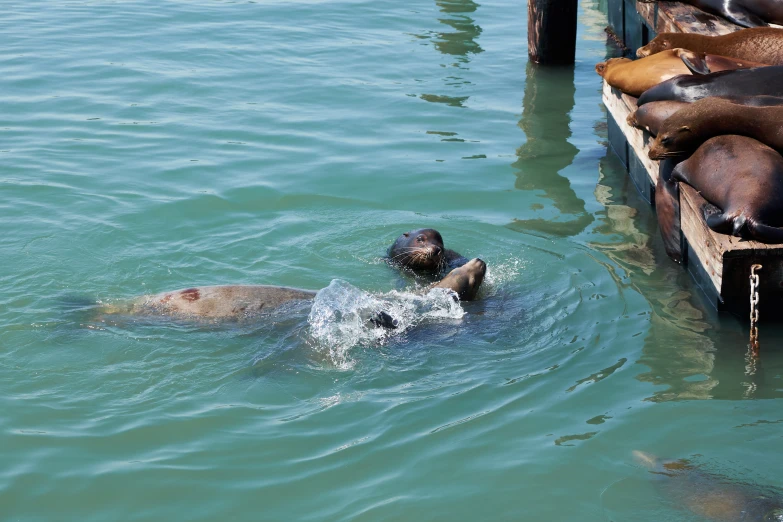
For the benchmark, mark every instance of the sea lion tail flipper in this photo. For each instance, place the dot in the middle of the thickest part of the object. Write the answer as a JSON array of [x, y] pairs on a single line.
[[764, 233], [695, 62], [718, 221], [385, 320]]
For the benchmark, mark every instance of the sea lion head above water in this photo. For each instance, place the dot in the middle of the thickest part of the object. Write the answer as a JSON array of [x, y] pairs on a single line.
[[465, 280], [420, 249]]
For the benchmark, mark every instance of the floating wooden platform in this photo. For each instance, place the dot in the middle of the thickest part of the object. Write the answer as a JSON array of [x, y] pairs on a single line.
[[720, 264]]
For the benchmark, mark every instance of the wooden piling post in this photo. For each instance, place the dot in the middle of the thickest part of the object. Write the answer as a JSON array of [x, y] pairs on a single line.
[[551, 31]]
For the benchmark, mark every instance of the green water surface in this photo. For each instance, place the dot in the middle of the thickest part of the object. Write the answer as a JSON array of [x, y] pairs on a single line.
[[148, 146]]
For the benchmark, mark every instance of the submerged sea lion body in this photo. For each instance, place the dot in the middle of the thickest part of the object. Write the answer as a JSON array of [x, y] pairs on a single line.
[[687, 129], [636, 76], [763, 44], [423, 250], [215, 302], [761, 81], [740, 176], [241, 302], [712, 496]]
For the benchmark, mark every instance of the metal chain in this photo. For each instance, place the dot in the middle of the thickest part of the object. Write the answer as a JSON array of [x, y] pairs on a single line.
[[754, 311]]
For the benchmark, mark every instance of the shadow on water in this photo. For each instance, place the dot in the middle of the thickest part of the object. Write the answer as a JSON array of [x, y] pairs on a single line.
[[546, 107], [690, 349]]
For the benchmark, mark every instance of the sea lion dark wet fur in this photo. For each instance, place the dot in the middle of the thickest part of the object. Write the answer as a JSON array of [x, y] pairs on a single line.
[[763, 44], [465, 280], [636, 76], [651, 116], [744, 13], [741, 178], [688, 128], [712, 496], [761, 81], [422, 250]]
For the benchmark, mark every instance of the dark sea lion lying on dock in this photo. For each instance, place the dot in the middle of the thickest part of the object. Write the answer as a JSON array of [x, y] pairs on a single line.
[[688, 128], [763, 44], [712, 496], [422, 250], [745, 13], [651, 115], [740, 176], [761, 81], [636, 76]]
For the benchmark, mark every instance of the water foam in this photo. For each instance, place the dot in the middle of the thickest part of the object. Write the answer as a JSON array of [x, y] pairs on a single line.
[[340, 317]]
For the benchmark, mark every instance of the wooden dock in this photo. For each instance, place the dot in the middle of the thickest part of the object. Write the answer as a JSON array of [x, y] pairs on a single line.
[[720, 264]]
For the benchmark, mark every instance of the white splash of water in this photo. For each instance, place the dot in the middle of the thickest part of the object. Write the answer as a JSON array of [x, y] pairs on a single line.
[[341, 316]]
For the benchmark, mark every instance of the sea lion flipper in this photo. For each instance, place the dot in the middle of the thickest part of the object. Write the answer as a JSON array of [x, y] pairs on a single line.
[[695, 62], [743, 18], [764, 233], [719, 222]]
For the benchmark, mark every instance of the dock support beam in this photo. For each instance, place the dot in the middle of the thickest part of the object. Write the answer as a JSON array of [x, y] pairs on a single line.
[[551, 31]]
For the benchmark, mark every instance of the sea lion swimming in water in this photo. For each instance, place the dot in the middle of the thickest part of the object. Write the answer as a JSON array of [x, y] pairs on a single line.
[[636, 76], [247, 302], [683, 132], [740, 176], [760, 81], [710, 495], [422, 250], [763, 44]]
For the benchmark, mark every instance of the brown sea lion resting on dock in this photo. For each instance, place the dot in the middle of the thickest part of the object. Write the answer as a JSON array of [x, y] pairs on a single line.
[[712, 496], [688, 128], [636, 76], [651, 116], [761, 81], [740, 176], [763, 44], [242, 302], [422, 250]]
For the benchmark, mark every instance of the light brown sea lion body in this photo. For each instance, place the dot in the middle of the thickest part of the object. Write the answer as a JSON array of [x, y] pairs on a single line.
[[741, 179], [685, 130], [214, 302], [636, 76], [763, 44], [465, 280]]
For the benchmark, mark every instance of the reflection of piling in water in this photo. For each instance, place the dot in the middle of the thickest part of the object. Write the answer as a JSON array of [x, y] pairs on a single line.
[[546, 120], [463, 40], [459, 43]]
